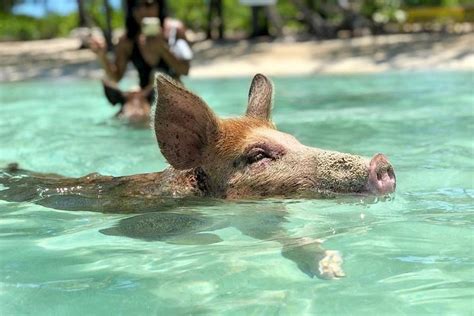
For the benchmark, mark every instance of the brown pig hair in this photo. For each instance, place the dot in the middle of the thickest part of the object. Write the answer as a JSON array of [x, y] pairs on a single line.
[[234, 132], [223, 138]]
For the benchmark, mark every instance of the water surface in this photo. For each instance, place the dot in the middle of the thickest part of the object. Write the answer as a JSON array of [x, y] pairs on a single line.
[[410, 255]]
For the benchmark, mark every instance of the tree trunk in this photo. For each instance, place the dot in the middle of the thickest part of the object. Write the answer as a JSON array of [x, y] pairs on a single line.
[[84, 21], [259, 23], [220, 14], [215, 7], [108, 25]]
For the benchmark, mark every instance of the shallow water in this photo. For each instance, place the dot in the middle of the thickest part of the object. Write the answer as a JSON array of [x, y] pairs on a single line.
[[412, 254]]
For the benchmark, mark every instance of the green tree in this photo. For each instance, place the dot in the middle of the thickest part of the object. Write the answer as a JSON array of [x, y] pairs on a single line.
[[6, 6]]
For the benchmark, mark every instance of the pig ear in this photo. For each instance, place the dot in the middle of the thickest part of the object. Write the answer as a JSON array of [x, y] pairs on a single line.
[[260, 98], [184, 125]]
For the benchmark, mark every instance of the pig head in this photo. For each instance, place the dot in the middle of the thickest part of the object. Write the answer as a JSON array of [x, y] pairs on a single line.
[[248, 157], [135, 106]]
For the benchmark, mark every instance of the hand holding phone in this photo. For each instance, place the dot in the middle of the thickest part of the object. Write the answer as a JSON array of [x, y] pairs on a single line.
[[151, 26]]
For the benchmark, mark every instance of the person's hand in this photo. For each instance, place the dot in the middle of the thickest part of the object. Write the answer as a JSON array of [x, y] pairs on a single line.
[[98, 46], [152, 46], [157, 40], [174, 27]]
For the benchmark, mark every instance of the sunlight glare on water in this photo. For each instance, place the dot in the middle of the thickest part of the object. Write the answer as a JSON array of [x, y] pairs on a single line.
[[411, 254]]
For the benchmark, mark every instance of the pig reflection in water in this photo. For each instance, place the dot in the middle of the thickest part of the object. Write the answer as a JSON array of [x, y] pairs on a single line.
[[241, 158]]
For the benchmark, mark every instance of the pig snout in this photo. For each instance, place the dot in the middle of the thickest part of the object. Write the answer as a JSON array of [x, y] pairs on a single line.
[[381, 175], [136, 109]]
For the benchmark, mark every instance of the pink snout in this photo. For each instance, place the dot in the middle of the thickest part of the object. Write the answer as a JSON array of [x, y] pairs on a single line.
[[381, 176], [136, 108]]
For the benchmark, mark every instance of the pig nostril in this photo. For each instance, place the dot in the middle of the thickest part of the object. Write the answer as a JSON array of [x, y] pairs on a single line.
[[391, 173], [380, 175]]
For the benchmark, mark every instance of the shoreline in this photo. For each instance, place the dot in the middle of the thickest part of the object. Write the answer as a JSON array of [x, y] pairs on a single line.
[[61, 57]]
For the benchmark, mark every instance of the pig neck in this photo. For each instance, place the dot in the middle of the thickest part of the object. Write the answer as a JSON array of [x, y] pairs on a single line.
[[168, 183]]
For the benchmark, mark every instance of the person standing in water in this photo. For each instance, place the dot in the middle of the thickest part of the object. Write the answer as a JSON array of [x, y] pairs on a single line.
[[152, 42]]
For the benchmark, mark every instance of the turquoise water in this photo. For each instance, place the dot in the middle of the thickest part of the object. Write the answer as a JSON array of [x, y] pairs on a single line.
[[410, 255]]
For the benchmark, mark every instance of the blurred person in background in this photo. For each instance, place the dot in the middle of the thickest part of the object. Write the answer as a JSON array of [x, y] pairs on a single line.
[[152, 42]]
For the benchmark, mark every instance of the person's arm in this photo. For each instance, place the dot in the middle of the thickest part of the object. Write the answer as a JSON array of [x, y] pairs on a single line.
[[180, 66], [116, 69]]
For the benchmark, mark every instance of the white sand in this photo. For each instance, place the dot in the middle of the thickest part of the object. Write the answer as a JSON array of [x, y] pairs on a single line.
[[360, 55], [60, 57]]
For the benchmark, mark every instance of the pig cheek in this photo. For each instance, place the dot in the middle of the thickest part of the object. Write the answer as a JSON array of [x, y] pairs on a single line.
[[245, 182], [237, 188], [250, 171]]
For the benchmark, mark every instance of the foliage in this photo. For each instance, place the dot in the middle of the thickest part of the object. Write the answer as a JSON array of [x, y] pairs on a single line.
[[19, 27], [437, 14], [437, 3], [194, 14], [7, 5], [95, 10], [237, 17], [383, 11]]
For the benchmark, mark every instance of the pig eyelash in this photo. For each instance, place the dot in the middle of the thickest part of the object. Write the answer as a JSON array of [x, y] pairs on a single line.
[[257, 154]]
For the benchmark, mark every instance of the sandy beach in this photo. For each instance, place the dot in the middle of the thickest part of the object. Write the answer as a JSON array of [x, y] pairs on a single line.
[[61, 57]]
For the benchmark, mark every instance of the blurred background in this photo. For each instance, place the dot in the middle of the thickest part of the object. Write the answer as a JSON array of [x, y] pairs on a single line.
[[244, 31], [236, 19]]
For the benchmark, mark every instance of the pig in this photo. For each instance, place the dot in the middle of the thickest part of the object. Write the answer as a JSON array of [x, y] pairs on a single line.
[[248, 157], [135, 105], [210, 157]]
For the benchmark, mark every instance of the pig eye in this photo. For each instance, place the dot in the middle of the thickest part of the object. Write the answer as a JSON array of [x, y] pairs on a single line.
[[256, 154]]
